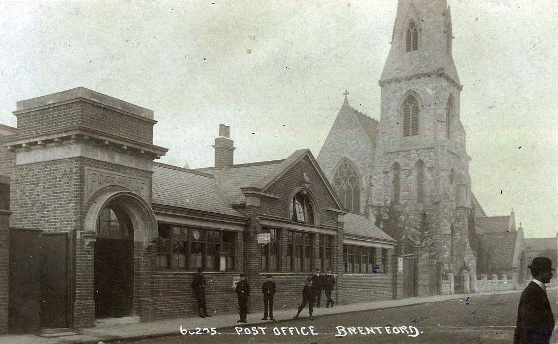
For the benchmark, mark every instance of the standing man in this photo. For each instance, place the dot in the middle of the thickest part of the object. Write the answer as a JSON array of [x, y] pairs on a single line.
[[198, 284], [317, 282], [308, 296], [329, 284], [268, 290], [535, 320], [243, 293]]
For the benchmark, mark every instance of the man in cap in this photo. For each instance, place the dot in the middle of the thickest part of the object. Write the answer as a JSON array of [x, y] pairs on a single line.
[[198, 284], [268, 290], [535, 320], [243, 293], [308, 296]]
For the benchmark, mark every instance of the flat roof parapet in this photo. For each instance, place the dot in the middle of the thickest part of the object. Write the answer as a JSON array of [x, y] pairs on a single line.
[[84, 93]]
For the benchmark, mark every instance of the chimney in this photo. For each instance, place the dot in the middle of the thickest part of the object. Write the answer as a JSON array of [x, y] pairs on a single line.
[[224, 147]]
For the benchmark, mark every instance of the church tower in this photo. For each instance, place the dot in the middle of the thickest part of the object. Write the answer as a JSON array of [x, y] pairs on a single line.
[[422, 167]]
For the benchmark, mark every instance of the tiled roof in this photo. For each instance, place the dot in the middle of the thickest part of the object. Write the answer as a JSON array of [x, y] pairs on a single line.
[[232, 178], [500, 248], [479, 212], [178, 187], [492, 224], [541, 244], [360, 226]]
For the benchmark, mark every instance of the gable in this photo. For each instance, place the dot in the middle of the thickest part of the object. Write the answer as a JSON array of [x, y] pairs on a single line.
[[353, 136], [304, 173]]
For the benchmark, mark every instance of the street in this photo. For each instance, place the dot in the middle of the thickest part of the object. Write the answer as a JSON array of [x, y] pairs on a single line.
[[481, 319]]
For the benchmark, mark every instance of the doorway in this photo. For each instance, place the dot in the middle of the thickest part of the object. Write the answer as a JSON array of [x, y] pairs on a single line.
[[113, 263]]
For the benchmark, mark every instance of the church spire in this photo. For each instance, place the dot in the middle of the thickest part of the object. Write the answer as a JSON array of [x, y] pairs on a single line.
[[421, 42]]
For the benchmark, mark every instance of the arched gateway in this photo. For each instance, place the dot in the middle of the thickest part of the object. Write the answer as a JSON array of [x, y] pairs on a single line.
[[124, 225]]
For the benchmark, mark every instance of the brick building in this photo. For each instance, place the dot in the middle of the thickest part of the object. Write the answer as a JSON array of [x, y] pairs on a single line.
[[93, 229]]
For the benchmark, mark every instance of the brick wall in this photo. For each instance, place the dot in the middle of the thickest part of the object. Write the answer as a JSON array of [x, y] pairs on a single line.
[[365, 288], [285, 187], [4, 270], [47, 195]]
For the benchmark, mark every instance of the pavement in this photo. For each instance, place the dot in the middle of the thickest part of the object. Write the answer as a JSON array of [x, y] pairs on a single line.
[[137, 330]]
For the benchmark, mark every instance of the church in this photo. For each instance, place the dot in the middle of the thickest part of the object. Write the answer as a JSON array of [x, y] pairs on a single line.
[[409, 171]]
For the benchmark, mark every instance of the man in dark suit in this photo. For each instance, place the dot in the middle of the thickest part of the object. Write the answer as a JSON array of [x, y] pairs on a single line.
[[317, 283], [268, 290], [308, 296], [198, 284], [243, 293], [329, 284], [535, 320]]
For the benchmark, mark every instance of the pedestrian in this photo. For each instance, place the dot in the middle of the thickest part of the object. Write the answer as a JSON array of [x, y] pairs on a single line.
[[198, 284], [268, 290], [329, 284], [317, 282], [535, 320], [308, 296], [243, 293]]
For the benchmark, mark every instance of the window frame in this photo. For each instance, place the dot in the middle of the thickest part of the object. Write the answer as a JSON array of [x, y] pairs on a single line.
[[205, 251]]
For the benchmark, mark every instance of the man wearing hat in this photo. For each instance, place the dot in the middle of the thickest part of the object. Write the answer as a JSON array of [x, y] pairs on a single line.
[[243, 293], [198, 284], [317, 280], [535, 320], [308, 296], [268, 290]]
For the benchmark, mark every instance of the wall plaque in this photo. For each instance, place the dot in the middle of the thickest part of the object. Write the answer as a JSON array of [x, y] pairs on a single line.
[[98, 179]]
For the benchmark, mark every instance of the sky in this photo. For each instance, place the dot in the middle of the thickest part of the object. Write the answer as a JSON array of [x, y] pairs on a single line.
[[275, 71]]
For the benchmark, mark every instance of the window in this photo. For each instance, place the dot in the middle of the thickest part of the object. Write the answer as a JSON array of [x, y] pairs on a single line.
[[347, 185], [359, 259], [410, 116], [299, 251], [181, 248], [301, 208], [396, 187], [449, 116], [325, 252], [270, 252], [411, 37], [420, 181]]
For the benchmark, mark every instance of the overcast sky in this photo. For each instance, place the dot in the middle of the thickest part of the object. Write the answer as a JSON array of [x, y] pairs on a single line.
[[275, 72]]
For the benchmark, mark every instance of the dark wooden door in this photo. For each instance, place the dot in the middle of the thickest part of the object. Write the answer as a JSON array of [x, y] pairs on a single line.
[[24, 289], [54, 277], [113, 277], [409, 276]]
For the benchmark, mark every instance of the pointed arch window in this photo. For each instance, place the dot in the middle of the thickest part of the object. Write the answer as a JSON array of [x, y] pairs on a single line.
[[449, 116], [396, 183], [412, 37], [410, 116], [302, 209], [420, 181], [347, 185]]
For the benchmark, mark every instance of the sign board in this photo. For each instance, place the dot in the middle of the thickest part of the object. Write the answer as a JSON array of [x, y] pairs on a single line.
[[400, 264], [264, 238]]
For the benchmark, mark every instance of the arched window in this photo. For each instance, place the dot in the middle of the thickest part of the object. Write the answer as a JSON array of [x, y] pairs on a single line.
[[396, 181], [449, 116], [420, 181], [302, 209], [412, 37], [410, 116], [347, 185]]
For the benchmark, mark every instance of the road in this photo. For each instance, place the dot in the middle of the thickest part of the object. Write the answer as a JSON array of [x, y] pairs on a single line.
[[480, 319]]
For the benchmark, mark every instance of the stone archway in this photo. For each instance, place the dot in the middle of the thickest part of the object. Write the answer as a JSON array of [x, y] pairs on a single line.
[[121, 225]]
